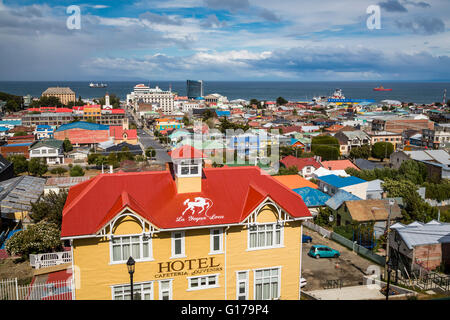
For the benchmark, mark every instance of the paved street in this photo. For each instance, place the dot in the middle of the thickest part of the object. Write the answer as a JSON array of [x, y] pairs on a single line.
[[149, 141]]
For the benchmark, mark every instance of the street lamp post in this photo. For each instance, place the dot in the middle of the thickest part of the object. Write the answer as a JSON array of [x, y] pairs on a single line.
[[130, 266], [388, 260]]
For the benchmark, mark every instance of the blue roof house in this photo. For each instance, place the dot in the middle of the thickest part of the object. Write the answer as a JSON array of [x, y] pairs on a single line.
[[330, 184], [313, 198]]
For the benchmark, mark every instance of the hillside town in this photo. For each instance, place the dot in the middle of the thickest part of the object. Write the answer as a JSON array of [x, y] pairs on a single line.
[[159, 196]]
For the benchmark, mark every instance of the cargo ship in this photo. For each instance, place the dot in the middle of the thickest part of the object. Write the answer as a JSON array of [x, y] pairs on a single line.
[[98, 85], [380, 88]]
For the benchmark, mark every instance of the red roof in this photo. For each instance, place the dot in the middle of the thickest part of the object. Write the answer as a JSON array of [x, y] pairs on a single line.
[[229, 194], [117, 132], [300, 163], [339, 165], [64, 110], [117, 111], [186, 152]]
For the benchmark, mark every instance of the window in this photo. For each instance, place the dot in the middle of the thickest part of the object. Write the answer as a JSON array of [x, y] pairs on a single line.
[[216, 242], [265, 236], [178, 244], [267, 284], [205, 282], [139, 247], [189, 168], [142, 291], [165, 290], [242, 285]]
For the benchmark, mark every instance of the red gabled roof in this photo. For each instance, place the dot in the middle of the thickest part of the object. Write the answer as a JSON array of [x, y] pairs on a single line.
[[231, 193], [187, 152], [339, 165], [300, 163], [118, 131]]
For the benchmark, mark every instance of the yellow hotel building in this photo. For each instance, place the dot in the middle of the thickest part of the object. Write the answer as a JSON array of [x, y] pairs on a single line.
[[195, 234]]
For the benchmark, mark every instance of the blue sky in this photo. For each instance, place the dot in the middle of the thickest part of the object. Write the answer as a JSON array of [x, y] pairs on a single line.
[[225, 40]]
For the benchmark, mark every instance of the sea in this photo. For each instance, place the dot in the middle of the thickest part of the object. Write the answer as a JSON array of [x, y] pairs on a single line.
[[416, 92]]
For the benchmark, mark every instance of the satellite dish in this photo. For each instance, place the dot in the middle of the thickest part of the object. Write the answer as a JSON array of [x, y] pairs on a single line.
[[331, 218]]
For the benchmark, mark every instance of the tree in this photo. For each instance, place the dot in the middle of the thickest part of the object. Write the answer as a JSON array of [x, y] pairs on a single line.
[[186, 121], [150, 152], [327, 152], [42, 237], [254, 102], [67, 145], [295, 112], [76, 171], [11, 106], [101, 161], [382, 150], [37, 167], [20, 134], [113, 100], [324, 140], [290, 151], [59, 171], [281, 101], [49, 101], [282, 171], [208, 114], [362, 152], [49, 208], [20, 163]]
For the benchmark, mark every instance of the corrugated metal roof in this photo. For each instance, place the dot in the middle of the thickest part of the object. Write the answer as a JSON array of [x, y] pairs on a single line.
[[339, 198], [312, 197], [82, 125], [340, 182], [417, 233]]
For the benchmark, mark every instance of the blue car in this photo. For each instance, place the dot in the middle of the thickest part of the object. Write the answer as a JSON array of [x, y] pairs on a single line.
[[306, 239], [322, 251]]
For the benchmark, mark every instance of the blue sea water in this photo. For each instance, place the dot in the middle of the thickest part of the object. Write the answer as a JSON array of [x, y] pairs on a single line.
[[417, 92]]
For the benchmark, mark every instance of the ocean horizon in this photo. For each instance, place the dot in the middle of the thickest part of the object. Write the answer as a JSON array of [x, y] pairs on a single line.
[[420, 92]]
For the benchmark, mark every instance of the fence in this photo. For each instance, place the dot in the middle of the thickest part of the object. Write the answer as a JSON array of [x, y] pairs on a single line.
[[57, 290], [319, 229], [50, 259], [347, 243]]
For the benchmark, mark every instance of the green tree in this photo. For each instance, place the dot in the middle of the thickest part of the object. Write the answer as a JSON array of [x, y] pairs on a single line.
[[12, 106], [327, 152], [76, 171], [50, 101], [281, 101], [282, 171], [20, 163], [208, 114], [150, 152], [67, 145], [290, 151], [59, 171], [324, 140], [101, 161], [42, 237], [37, 167], [186, 121], [382, 150], [362, 152], [49, 208], [20, 134]]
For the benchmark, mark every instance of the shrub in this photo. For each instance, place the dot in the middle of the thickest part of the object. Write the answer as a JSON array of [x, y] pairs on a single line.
[[76, 171], [39, 238]]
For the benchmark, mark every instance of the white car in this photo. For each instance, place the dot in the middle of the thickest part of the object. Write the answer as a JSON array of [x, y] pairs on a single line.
[[302, 282]]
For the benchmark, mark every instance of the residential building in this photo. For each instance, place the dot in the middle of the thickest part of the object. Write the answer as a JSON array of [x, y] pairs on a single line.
[[194, 88], [351, 139], [134, 149], [436, 161], [384, 136], [195, 233], [6, 169], [65, 95], [295, 181], [364, 164], [438, 137], [313, 198], [420, 244], [49, 119], [51, 150], [305, 166], [15, 149], [43, 132], [338, 165], [120, 134], [331, 184], [58, 184], [399, 125]]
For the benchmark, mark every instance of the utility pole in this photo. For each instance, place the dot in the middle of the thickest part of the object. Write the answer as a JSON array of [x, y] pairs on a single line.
[[388, 262]]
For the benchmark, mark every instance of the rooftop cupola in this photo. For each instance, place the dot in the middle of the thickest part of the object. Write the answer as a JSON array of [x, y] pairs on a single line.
[[187, 167]]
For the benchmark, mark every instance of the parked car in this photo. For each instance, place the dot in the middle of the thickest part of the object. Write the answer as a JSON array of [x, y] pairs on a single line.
[[306, 239], [302, 282], [322, 251]]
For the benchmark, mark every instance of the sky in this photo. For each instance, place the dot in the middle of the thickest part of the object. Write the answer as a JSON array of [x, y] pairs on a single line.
[[225, 40]]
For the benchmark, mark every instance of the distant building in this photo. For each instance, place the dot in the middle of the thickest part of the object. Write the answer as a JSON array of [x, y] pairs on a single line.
[[50, 150], [65, 95], [155, 96], [83, 133], [194, 88], [43, 132]]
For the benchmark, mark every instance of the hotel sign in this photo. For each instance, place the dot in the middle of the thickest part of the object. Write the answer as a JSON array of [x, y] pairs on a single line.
[[188, 267]]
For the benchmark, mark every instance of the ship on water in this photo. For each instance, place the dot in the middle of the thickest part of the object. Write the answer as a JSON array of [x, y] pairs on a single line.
[[380, 88], [336, 95], [98, 85]]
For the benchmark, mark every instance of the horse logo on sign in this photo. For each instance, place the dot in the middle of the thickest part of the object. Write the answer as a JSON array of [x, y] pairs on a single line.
[[198, 206]]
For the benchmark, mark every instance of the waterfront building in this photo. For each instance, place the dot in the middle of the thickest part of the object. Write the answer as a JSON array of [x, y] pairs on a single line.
[[194, 88], [65, 95], [195, 233], [155, 96]]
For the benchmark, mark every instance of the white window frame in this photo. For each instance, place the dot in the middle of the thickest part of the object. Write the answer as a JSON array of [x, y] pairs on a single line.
[[160, 291], [141, 248], [190, 164], [183, 252], [206, 286], [136, 285], [273, 246], [279, 281], [211, 242], [246, 283]]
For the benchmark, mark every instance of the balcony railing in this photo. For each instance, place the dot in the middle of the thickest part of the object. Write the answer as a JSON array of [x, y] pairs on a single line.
[[43, 260]]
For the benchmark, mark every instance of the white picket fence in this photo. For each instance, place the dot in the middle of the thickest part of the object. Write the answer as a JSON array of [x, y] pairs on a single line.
[[57, 290], [324, 232], [43, 260]]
